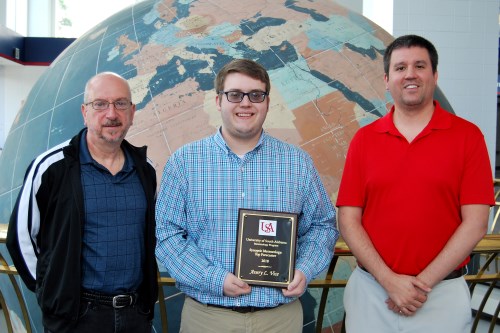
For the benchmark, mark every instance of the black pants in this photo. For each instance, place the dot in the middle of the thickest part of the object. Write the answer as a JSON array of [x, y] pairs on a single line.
[[98, 318]]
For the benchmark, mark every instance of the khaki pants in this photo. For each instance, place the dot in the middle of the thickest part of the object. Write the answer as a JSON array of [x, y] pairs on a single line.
[[447, 309], [200, 318]]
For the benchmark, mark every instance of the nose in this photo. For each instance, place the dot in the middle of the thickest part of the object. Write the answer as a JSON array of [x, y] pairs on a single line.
[[246, 100], [111, 112], [410, 72]]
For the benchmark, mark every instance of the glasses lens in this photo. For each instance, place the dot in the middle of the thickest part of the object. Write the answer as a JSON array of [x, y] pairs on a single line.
[[122, 104], [257, 96], [234, 96], [100, 105]]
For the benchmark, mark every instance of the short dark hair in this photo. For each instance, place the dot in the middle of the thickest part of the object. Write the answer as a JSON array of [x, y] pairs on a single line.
[[407, 41], [243, 66]]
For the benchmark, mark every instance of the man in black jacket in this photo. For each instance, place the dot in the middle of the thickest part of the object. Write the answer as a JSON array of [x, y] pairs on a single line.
[[81, 234]]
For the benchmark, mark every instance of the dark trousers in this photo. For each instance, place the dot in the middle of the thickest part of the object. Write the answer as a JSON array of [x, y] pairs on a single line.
[[98, 318]]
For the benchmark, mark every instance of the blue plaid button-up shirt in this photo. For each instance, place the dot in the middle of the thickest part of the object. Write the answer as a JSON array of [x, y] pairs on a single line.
[[204, 184]]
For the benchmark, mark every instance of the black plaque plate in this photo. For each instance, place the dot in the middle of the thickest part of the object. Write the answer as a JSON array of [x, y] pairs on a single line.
[[265, 248]]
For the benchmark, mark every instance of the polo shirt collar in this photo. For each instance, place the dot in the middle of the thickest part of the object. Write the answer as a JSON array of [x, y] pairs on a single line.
[[441, 119]]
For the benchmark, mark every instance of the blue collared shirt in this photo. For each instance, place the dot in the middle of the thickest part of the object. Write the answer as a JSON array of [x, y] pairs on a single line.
[[204, 184], [113, 237]]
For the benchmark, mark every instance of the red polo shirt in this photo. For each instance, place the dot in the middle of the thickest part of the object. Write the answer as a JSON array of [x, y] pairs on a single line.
[[411, 193]]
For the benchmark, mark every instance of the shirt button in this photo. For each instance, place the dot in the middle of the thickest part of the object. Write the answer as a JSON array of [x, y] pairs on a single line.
[[243, 194]]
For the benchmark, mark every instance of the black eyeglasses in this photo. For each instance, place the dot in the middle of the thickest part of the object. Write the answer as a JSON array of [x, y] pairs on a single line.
[[237, 96], [99, 104]]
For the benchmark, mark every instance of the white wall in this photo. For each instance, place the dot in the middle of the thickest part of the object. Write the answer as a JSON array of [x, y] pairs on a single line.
[[3, 12], [380, 12], [16, 82], [40, 18], [28, 18], [15, 15]]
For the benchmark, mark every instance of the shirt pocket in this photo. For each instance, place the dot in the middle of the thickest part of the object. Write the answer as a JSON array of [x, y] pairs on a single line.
[[275, 196]]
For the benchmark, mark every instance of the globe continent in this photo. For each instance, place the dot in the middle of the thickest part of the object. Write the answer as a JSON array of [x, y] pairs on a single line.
[[324, 61]]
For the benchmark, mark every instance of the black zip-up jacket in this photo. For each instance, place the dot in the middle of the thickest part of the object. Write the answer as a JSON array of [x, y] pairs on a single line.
[[45, 232]]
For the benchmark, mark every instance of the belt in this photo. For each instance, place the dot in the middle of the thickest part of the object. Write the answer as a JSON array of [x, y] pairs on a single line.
[[239, 309], [456, 273], [453, 275], [117, 302]]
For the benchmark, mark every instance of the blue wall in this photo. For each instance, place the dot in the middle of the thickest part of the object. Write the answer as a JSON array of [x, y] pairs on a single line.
[[32, 50]]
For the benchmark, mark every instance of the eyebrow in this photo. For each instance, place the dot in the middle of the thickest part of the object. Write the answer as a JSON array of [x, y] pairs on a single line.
[[239, 90], [405, 63]]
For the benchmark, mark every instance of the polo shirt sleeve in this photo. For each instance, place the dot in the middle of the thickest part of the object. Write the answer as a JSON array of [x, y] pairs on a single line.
[[477, 183]]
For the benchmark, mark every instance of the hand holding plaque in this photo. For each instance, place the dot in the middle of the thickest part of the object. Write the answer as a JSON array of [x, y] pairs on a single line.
[[265, 247]]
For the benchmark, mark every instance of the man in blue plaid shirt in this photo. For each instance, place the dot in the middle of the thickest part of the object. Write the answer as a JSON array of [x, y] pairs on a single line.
[[206, 182]]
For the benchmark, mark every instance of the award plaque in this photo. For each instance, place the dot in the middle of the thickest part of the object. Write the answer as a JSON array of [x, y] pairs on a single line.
[[265, 247]]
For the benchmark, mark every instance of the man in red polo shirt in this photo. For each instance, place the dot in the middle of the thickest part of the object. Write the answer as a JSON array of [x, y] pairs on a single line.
[[413, 203]]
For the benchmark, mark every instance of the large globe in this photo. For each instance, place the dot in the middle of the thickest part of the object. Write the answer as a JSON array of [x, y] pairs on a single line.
[[325, 64]]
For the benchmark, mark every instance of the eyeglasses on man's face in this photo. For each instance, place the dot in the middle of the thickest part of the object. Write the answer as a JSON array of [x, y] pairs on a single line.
[[100, 104], [237, 96]]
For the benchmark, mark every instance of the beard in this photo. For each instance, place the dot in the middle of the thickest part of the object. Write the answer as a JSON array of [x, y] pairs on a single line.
[[110, 132], [113, 138]]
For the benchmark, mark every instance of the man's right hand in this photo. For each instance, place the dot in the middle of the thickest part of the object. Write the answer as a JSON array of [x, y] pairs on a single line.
[[406, 293], [235, 287]]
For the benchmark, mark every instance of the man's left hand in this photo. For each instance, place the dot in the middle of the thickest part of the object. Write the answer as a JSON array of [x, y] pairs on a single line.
[[298, 285]]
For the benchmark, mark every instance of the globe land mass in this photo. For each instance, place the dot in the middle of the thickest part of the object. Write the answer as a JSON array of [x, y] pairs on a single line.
[[320, 91]]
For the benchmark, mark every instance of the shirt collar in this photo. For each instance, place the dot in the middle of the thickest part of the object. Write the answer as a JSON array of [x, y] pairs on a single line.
[[219, 140], [441, 119], [86, 158]]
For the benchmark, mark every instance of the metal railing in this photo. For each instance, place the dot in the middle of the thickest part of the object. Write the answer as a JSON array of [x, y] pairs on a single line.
[[488, 247]]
